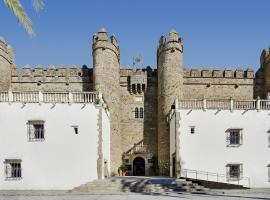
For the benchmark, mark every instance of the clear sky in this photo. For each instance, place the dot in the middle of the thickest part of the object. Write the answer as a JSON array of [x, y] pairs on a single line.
[[229, 33]]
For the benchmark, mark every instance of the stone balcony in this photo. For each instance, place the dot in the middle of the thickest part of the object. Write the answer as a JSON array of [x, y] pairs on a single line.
[[223, 104], [50, 97]]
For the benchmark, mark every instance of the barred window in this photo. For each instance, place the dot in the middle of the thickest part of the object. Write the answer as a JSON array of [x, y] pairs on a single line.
[[141, 112], [234, 137], [13, 169], [234, 172], [136, 113], [36, 130]]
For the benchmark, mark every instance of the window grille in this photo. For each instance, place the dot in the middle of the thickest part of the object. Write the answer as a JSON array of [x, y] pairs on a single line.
[[234, 137], [234, 172], [36, 130], [13, 170], [136, 113], [141, 112]]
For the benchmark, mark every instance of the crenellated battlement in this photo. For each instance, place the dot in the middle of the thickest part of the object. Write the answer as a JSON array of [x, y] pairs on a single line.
[[239, 73], [38, 74], [173, 43], [101, 41]]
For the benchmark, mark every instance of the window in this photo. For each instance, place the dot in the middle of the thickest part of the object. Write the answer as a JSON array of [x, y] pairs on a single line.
[[234, 172], [234, 137], [136, 113], [36, 130], [76, 129], [141, 112], [192, 129], [13, 170]]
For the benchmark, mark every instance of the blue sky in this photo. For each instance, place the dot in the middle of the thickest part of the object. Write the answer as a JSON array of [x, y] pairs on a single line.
[[216, 33]]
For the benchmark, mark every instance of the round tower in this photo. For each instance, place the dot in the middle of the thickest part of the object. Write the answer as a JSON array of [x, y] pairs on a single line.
[[265, 66], [106, 76], [6, 62], [170, 82]]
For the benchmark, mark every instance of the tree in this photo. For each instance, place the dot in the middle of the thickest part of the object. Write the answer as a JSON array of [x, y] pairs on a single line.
[[16, 7]]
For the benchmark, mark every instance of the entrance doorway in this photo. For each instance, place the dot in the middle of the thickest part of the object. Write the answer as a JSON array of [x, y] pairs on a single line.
[[138, 167]]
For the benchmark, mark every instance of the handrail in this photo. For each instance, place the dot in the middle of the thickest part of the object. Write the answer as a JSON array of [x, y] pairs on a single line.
[[215, 177], [224, 104], [49, 97]]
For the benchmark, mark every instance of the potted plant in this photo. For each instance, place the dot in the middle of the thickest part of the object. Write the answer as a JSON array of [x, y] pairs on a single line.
[[123, 169]]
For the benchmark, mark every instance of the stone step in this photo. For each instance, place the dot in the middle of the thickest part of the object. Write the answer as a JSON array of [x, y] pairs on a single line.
[[146, 185]]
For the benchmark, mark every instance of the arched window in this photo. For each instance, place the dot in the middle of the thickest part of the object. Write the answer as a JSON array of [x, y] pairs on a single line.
[[141, 112], [136, 113]]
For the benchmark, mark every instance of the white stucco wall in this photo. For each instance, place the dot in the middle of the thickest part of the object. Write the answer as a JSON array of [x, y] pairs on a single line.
[[206, 149], [106, 141], [63, 160]]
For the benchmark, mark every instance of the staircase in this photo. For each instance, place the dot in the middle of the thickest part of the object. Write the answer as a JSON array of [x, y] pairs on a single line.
[[138, 185]]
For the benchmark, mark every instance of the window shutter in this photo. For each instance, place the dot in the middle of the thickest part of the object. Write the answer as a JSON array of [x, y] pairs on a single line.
[[241, 171], [228, 172], [228, 138], [241, 137]]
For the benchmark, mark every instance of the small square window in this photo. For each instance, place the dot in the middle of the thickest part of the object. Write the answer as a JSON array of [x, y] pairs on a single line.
[[234, 137], [234, 172], [76, 130], [13, 170], [192, 129], [36, 130]]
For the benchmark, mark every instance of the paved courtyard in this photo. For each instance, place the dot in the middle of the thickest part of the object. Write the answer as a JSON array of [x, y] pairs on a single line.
[[250, 194]]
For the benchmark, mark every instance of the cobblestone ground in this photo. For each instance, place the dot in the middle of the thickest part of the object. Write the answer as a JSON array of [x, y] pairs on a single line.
[[230, 195]]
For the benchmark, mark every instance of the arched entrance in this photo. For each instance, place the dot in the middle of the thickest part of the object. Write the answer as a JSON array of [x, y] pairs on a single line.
[[138, 167]]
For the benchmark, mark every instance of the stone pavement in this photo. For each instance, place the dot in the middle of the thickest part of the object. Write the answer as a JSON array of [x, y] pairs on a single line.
[[263, 194]]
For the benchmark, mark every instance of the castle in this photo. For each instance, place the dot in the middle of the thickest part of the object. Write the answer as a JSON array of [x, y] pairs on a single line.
[[139, 100]]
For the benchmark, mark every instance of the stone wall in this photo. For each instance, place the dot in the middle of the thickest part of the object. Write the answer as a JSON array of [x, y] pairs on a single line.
[[220, 84], [135, 130], [6, 63], [52, 79]]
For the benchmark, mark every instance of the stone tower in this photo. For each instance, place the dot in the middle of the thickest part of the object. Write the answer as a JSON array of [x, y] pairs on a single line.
[[265, 65], [106, 67], [170, 82], [6, 64]]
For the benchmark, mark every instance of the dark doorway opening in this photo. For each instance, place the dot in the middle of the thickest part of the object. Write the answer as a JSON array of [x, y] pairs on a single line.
[[138, 167], [173, 167]]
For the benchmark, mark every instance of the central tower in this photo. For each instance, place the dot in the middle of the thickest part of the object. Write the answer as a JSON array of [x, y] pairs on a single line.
[[170, 83]]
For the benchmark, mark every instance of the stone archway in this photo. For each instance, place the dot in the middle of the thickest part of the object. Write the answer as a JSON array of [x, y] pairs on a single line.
[[138, 166]]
